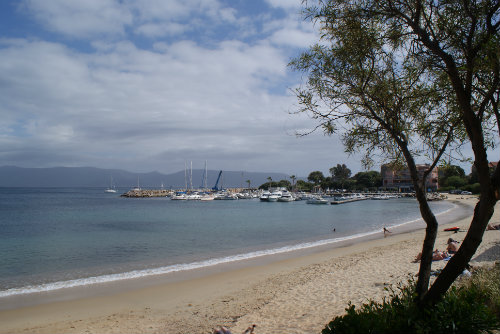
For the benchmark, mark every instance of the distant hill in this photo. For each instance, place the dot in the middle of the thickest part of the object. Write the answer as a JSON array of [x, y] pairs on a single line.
[[11, 176]]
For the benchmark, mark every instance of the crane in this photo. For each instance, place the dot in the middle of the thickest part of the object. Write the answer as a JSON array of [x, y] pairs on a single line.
[[217, 182]]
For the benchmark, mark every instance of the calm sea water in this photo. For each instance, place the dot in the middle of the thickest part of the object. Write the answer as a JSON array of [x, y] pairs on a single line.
[[58, 237]]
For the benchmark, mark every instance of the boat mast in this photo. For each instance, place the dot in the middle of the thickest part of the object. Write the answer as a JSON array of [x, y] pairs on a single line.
[[206, 176], [191, 177], [185, 175]]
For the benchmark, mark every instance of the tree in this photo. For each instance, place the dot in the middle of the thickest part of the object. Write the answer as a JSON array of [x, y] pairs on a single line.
[[293, 178], [410, 79], [316, 177], [304, 186], [455, 181], [248, 183], [371, 179], [451, 176], [340, 174]]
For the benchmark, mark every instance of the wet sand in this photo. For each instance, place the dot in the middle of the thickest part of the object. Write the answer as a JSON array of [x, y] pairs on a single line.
[[297, 292]]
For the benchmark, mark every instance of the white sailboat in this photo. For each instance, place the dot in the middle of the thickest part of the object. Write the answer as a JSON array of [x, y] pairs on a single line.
[[138, 188], [111, 188]]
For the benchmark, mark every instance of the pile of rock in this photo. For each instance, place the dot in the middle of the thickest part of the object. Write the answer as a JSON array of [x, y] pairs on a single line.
[[146, 193]]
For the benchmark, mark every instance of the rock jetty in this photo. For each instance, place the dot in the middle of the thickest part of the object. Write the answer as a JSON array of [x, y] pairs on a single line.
[[146, 193]]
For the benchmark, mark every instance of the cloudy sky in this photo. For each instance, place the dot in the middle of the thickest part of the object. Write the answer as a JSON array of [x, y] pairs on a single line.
[[149, 85]]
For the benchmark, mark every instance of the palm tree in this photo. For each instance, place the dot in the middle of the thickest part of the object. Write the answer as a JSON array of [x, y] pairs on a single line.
[[248, 182], [293, 177]]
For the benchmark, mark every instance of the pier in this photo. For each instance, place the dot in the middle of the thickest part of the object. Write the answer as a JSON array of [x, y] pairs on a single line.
[[349, 200]]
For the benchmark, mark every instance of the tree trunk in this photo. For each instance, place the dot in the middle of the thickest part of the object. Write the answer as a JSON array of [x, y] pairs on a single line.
[[482, 214], [431, 230]]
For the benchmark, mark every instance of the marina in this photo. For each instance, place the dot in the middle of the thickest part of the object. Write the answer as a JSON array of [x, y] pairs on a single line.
[[276, 195]]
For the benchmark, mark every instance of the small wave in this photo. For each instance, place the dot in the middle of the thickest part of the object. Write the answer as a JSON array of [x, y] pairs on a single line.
[[190, 266]]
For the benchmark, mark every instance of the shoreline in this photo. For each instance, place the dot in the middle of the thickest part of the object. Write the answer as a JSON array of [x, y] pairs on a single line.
[[262, 291]]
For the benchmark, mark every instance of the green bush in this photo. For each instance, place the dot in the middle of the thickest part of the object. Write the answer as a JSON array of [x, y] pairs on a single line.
[[472, 307]]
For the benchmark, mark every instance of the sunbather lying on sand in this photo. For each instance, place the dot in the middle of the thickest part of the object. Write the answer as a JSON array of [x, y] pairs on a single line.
[[437, 255], [225, 330], [493, 227]]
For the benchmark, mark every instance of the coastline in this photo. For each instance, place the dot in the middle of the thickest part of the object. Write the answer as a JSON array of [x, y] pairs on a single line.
[[296, 292]]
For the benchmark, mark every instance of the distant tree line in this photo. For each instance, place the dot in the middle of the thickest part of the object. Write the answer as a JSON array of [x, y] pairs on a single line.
[[451, 177], [339, 178]]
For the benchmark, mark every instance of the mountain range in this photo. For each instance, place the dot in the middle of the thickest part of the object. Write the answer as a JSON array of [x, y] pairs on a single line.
[[12, 176]]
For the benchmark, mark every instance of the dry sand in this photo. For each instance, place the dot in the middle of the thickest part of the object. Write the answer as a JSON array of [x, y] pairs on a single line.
[[295, 295]]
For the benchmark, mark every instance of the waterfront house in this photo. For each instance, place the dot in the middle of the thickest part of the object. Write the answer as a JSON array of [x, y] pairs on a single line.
[[400, 179]]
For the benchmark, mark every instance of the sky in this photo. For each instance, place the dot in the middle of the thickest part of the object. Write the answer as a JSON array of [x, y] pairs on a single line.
[[151, 85]]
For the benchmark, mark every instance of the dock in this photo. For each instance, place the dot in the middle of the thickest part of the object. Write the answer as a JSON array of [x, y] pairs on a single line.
[[349, 200]]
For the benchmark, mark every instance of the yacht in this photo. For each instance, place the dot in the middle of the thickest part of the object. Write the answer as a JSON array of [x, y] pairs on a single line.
[[274, 196], [265, 196], [381, 197], [207, 197], [179, 196], [286, 197], [194, 197], [317, 200]]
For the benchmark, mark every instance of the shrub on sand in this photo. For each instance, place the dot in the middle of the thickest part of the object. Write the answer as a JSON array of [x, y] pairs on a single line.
[[471, 306]]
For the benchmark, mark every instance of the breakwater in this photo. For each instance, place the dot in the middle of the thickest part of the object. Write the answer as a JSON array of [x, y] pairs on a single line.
[[147, 193]]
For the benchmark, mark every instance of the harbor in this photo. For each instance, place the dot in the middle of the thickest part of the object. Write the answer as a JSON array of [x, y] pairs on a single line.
[[273, 195]]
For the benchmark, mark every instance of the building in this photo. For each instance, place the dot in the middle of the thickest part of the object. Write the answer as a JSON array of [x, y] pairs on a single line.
[[400, 180]]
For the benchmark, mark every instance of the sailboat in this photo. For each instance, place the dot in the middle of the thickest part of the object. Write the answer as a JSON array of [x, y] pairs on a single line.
[[138, 188], [111, 188]]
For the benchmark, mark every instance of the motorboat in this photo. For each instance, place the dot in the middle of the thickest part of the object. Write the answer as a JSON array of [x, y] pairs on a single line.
[[194, 197], [179, 196], [265, 196], [381, 197], [207, 197], [286, 197], [224, 195], [274, 196], [317, 200]]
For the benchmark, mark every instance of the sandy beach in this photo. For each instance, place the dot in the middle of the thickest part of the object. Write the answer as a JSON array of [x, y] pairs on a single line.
[[298, 294]]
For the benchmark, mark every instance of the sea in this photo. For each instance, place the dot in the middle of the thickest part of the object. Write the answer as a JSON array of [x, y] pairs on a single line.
[[53, 238]]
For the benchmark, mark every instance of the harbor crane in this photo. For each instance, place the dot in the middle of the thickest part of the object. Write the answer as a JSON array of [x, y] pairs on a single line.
[[216, 188]]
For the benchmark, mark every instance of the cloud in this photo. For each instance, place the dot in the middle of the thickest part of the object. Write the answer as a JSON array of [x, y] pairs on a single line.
[[126, 99], [285, 4], [110, 19], [81, 19]]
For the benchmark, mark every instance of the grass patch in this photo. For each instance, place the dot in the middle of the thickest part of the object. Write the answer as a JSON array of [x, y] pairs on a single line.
[[472, 305]]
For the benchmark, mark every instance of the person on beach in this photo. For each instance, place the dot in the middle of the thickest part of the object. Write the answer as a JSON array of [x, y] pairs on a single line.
[[225, 330], [493, 227], [452, 247], [437, 255], [386, 231], [221, 330]]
